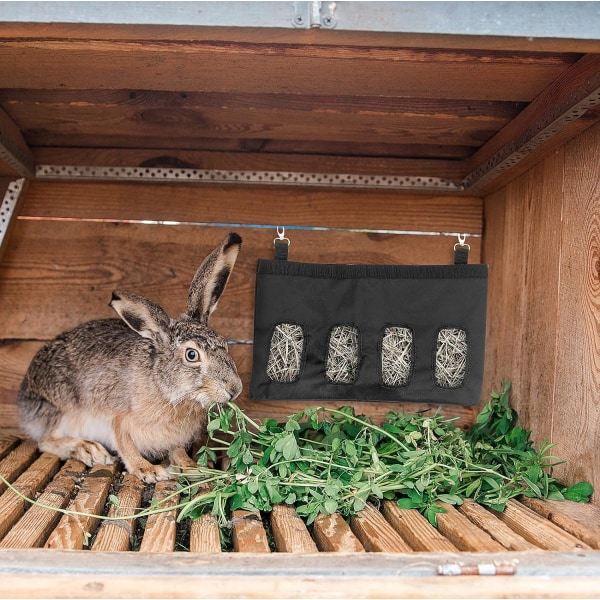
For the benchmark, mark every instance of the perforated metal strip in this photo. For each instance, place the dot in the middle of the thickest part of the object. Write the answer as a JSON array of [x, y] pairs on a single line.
[[573, 108], [8, 205], [147, 174]]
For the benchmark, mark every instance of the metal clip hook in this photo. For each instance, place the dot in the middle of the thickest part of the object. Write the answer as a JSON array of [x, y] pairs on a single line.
[[281, 236], [461, 241]]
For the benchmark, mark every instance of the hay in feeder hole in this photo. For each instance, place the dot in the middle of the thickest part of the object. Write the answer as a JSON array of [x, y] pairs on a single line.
[[451, 357], [396, 356], [285, 353], [342, 354]]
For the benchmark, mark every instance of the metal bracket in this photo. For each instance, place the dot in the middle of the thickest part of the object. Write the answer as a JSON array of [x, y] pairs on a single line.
[[8, 206], [313, 15], [156, 174]]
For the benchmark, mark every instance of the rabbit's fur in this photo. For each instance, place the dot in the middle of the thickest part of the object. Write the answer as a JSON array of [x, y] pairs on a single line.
[[139, 385]]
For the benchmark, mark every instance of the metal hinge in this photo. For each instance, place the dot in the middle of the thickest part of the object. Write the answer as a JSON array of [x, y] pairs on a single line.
[[314, 14]]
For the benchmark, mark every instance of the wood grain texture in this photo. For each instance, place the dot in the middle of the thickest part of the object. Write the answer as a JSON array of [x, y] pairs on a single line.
[[283, 155], [117, 535], [32, 530], [333, 534], [523, 250], [375, 533], [576, 423], [580, 520], [486, 521], [290, 532], [537, 529], [12, 505], [420, 534], [159, 532], [139, 119], [204, 535], [169, 65], [464, 534], [8, 443], [249, 535], [17, 461], [542, 247], [76, 527], [208, 203]]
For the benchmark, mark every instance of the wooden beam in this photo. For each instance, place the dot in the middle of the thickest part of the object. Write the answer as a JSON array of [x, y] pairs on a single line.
[[564, 109], [15, 156], [218, 66]]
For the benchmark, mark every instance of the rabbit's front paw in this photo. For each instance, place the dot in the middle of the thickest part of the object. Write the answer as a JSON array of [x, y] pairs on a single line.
[[92, 453], [151, 473]]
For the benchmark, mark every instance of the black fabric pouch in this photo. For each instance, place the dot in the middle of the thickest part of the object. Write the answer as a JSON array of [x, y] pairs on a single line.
[[369, 332]]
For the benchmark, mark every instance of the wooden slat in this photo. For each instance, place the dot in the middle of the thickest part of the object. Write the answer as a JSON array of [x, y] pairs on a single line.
[[576, 418], [523, 250], [16, 158], [117, 535], [464, 534], [170, 65], [535, 118], [204, 535], [290, 532], [73, 530], [321, 36], [225, 154], [416, 529], [498, 530], [580, 520], [8, 443], [160, 529], [249, 534], [537, 529], [208, 203], [17, 461], [333, 534], [32, 530], [56, 117], [375, 533], [13, 506]]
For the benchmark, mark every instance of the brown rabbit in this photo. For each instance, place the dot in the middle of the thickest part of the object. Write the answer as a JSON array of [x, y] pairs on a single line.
[[139, 386]]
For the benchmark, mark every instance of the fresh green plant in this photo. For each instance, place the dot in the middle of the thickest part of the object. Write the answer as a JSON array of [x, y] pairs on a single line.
[[331, 460]]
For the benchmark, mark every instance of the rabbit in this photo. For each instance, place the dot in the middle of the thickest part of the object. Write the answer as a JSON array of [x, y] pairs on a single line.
[[139, 386]]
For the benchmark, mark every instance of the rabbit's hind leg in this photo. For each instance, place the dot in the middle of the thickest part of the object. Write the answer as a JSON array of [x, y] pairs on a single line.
[[88, 452]]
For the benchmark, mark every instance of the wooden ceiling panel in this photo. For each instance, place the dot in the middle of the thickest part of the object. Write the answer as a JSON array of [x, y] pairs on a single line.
[[285, 101]]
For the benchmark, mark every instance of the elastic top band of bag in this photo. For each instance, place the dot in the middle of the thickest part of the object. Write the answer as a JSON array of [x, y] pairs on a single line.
[[331, 271]]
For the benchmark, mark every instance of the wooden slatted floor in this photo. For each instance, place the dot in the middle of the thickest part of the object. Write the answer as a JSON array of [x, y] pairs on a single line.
[[526, 525]]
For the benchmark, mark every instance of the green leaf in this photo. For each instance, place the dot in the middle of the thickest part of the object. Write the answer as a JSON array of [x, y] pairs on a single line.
[[580, 492]]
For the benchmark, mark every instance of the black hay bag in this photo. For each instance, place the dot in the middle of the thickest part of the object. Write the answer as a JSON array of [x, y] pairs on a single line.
[[369, 332]]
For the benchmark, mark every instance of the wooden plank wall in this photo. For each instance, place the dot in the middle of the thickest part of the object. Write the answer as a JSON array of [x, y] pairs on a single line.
[[75, 242], [542, 241]]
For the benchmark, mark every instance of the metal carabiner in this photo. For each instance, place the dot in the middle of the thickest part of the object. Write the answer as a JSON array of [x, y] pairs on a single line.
[[281, 236], [461, 241]]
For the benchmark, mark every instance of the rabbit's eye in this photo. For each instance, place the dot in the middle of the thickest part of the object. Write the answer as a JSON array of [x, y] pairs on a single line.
[[192, 355]]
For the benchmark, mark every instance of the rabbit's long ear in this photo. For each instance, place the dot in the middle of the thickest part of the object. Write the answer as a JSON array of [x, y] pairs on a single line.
[[211, 278], [144, 317]]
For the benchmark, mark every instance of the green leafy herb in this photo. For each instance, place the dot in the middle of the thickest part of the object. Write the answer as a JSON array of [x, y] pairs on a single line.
[[332, 460]]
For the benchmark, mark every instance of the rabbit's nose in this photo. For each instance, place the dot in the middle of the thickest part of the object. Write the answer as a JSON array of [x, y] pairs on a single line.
[[233, 391]]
